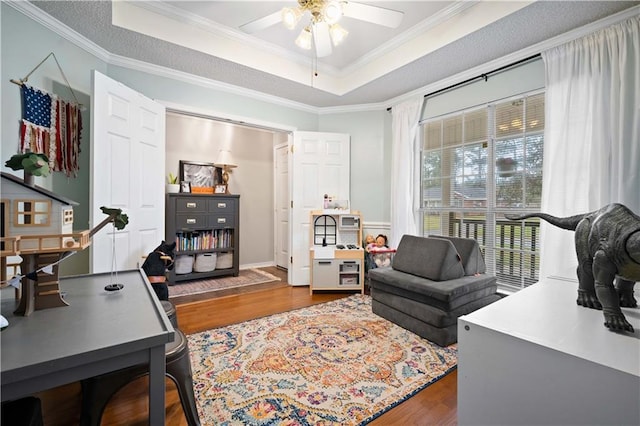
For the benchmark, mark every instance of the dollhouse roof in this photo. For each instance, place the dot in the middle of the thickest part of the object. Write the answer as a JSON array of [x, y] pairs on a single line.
[[39, 190]]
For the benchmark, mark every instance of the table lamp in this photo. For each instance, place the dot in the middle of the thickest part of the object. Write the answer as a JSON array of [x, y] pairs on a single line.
[[226, 162]]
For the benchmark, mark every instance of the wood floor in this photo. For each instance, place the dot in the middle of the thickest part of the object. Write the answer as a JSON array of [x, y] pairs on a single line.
[[435, 405]]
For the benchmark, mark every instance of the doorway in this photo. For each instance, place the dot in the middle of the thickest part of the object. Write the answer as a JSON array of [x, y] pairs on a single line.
[[199, 136]]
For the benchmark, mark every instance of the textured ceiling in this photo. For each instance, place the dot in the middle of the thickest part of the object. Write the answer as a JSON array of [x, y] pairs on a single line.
[[528, 26]]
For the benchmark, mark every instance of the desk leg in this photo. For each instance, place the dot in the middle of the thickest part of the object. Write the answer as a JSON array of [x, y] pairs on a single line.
[[157, 368]]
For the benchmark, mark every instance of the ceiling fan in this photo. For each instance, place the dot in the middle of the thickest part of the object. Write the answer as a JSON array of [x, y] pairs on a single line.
[[322, 16]]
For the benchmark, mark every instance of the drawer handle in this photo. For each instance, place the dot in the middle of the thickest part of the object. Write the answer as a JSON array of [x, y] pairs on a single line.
[[191, 221], [222, 205], [324, 263], [222, 220], [191, 205]]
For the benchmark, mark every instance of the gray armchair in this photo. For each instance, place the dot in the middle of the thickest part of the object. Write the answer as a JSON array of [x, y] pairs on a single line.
[[432, 281]]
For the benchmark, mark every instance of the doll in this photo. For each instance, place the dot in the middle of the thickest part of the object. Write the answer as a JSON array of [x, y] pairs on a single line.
[[381, 257], [369, 241]]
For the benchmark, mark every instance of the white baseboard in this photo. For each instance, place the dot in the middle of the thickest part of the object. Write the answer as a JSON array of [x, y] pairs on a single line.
[[257, 265]]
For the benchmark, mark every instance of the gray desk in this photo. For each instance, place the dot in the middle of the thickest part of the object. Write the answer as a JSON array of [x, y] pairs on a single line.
[[99, 332]]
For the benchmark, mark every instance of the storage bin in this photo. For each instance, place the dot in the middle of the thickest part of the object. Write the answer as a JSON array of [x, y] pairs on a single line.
[[205, 262], [349, 279], [225, 261], [184, 264]]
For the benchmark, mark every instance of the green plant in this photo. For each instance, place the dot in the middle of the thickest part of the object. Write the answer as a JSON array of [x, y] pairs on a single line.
[[36, 164], [172, 179]]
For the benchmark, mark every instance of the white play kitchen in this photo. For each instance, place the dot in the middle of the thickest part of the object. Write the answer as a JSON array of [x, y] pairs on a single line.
[[336, 252]]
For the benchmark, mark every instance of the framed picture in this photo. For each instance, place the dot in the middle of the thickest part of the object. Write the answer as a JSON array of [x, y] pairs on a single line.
[[201, 176], [185, 186], [220, 189]]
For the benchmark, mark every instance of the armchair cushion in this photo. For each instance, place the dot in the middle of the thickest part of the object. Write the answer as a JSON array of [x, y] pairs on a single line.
[[445, 295], [469, 251], [432, 258]]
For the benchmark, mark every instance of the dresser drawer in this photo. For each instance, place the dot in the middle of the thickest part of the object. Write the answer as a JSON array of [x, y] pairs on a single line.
[[223, 206], [191, 204], [191, 221], [221, 221]]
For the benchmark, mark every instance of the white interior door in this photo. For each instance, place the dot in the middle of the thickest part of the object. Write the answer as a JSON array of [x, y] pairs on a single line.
[[282, 205], [320, 164], [127, 172]]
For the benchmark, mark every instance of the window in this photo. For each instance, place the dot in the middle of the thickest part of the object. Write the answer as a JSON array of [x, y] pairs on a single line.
[[67, 217], [478, 165], [32, 213], [324, 230]]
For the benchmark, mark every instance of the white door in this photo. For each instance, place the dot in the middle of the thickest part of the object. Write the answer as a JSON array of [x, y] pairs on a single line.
[[127, 172], [282, 205], [320, 164]]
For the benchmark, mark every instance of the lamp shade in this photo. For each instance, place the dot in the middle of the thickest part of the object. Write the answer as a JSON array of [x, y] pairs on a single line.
[[225, 159], [332, 12], [290, 17], [304, 39], [338, 34]]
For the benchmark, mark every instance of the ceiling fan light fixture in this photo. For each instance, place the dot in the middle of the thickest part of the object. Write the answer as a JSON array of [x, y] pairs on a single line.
[[332, 12], [338, 34], [304, 39], [290, 17]]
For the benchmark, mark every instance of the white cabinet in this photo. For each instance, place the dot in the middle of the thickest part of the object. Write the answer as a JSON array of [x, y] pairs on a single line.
[[536, 357], [331, 274], [324, 274]]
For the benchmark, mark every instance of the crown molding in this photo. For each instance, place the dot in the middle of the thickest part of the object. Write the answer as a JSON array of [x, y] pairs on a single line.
[[418, 29], [161, 71], [352, 108], [519, 55], [52, 24]]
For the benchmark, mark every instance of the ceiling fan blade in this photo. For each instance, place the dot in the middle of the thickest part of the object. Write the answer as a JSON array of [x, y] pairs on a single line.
[[262, 23], [322, 39], [374, 14]]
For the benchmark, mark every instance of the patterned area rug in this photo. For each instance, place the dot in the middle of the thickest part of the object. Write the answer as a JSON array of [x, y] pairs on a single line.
[[333, 363], [244, 278]]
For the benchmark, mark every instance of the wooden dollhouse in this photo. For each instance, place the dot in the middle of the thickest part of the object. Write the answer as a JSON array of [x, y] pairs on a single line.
[[37, 225]]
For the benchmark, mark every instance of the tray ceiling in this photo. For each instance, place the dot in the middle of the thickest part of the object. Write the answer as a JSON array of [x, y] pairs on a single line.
[[375, 64]]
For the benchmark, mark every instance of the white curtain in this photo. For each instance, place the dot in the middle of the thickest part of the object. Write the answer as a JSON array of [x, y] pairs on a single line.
[[404, 164], [592, 134]]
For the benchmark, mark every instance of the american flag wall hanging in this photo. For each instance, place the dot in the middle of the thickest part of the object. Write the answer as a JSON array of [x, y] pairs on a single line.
[[51, 126]]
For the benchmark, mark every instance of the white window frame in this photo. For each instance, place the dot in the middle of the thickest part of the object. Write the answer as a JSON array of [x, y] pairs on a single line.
[[490, 210]]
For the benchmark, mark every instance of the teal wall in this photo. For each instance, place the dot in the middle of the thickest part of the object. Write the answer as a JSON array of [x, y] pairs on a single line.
[[207, 98], [514, 81], [370, 133], [24, 44]]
